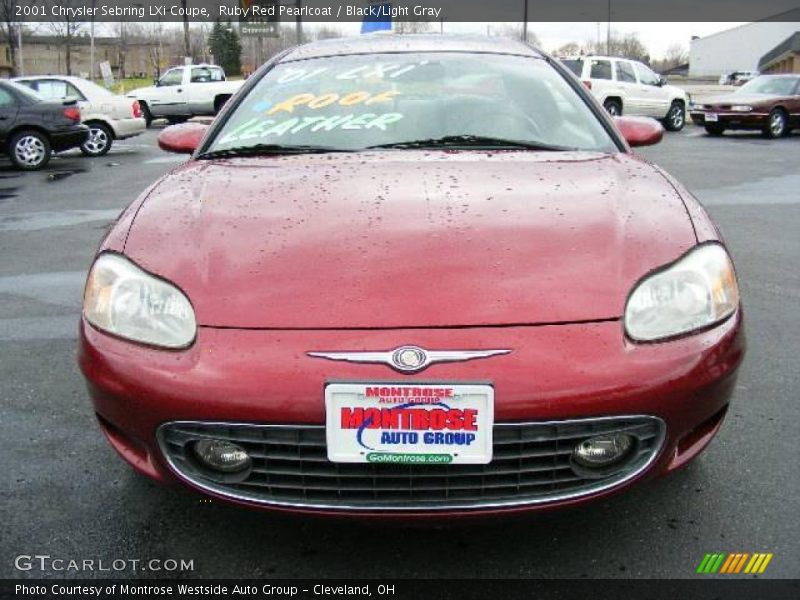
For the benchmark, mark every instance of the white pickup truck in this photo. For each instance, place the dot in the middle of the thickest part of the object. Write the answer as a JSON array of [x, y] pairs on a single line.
[[184, 92]]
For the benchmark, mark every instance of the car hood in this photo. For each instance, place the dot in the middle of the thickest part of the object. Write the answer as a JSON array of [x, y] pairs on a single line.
[[409, 238], [730, 99], [675, 91], [142, 92]]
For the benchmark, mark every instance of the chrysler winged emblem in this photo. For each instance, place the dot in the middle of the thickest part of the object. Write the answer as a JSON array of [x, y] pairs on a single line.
[[408, 359]]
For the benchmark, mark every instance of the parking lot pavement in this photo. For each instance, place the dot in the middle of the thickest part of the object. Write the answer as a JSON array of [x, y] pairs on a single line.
[[66, 494]]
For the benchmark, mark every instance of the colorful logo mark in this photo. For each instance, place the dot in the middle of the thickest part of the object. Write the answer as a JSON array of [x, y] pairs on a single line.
[[735, 562]]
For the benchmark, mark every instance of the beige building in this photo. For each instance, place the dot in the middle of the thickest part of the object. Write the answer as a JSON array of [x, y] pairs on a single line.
[[783, 58], [46, 55]]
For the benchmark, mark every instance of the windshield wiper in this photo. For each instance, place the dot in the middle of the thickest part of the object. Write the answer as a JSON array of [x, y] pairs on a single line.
[[471, 141], [267, 150]]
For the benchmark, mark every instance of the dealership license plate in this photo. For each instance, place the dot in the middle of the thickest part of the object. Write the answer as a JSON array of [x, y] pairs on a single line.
[[712, 117], [392, 423]]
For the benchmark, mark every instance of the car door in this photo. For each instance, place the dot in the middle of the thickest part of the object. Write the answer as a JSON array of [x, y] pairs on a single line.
[[170, 98], [794, 106], [8, 113], [626, 81], [200, 94], [601, 74], [655, 99]]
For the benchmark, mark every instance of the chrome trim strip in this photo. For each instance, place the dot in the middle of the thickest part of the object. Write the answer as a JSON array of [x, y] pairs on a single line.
[[607, 485], [391, 357]]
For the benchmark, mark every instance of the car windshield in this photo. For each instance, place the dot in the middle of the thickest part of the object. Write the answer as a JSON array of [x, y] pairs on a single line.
[[782, 86], [412, 100]]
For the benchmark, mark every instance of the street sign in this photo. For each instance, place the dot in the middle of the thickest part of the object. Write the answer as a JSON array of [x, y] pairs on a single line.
[[381, 20], [108, 75], [264, 24]]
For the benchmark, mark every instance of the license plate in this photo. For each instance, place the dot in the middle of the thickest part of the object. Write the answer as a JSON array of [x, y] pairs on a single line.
[[407, 424], [712, 117]]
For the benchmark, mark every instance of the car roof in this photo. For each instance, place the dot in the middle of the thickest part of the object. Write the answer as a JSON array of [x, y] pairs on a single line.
[[70, 78], [597, 57], [406, 43]]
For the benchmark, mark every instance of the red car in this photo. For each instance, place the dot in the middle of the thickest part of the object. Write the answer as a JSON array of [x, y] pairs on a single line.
[[411, 275]]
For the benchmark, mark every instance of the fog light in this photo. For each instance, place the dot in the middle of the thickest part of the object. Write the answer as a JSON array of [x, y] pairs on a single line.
[[603, 450], [221, 456]]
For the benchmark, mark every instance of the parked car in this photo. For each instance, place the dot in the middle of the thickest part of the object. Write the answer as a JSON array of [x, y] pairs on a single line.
[[411, 274], [109, 116], [629, 87], [737, 77], [184, 92], [31, 128], [770, 103]]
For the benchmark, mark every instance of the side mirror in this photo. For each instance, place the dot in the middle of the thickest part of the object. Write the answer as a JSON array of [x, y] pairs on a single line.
[[183, 138], [156, 82], [639, 131], [662, 82]]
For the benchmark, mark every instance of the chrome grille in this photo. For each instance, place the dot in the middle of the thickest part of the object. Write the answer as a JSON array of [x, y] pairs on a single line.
[[531, 464]]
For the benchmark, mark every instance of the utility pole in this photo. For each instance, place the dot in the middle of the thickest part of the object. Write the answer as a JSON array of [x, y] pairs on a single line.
[[19, 48], [298, 26], [608, 31], [91, 44], [525, 22]]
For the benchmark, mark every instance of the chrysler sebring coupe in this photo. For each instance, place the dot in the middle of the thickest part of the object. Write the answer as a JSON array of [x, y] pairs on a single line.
[[416, 275]]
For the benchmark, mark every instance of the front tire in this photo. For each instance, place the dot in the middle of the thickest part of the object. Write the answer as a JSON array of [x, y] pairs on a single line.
[[715, 129], [99, 141], [29, 150], [777, 124], [148, 116], [219, 102], [613, 107], [676, 117]]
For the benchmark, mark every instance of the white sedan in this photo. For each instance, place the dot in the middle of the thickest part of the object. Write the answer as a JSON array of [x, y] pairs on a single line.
[[109, 116]]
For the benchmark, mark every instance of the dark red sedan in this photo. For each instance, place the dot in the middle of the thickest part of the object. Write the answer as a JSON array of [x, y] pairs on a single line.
[[411, 275], [769, 103]]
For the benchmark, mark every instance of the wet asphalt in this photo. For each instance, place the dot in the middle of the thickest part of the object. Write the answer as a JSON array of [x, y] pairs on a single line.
[[65, 494]]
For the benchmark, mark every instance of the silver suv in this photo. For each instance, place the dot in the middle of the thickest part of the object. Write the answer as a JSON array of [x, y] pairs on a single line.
[[630, 87]]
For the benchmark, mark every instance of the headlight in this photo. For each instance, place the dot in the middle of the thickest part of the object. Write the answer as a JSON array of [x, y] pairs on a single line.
[[122, 299], [741, 108], [696, 291]]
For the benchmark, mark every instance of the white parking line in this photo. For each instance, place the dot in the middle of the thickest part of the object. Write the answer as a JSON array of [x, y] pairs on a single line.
[[35, 221], [166, 159]]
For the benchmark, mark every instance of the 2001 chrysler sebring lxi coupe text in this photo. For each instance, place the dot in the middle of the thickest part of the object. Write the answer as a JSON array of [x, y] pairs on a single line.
[[411, 275]]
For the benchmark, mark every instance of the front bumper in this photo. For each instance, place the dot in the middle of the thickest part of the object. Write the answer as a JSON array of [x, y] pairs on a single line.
[[555, 373], [731, 120], [126, 128], [68, 138]]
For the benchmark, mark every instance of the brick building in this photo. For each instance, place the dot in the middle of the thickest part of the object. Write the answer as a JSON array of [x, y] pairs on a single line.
[[46, 55]]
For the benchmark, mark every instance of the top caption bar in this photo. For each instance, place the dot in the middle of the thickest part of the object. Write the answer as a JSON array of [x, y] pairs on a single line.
[[406, 10]]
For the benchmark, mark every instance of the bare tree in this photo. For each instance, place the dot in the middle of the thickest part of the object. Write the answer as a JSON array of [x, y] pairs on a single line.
[[65, 29], [11, 32], [625, 46], [570, 49], [412, 26], [513, 31], [325, 33], [676, 55]]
